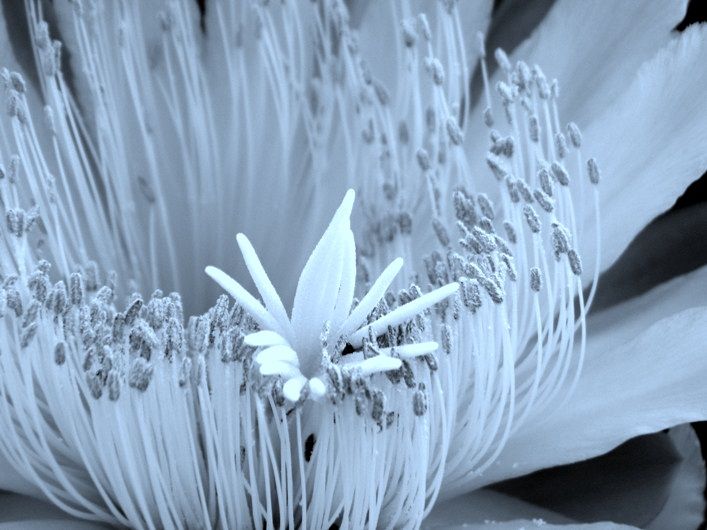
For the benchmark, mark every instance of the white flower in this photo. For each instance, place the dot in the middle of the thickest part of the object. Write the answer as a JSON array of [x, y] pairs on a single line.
[[297, 349], [140, 135]]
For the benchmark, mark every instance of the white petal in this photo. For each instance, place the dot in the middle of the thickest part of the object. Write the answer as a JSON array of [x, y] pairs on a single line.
[[282, 368], [320, 281], [262, 282], [627, 389], [264, 338], [686, 502], [317, 387], [650, 143], [379, 363], [277, 353], [593, 47], [372, 297], [476, 508], [403, 313], [18, 511], [293, 387], [254, 308]]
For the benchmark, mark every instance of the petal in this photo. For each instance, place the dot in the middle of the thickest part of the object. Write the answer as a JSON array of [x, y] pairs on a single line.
[[11, 480], [403, 313], [593, 47], [18, 511], [629, 485], [264, 285], [292, 389], [320, 281], [359, 314], [686, 502], [493, 510], [650, 143], [627, 389], [670, 246]]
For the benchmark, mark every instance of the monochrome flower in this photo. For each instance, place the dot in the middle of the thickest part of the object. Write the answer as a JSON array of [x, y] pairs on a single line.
[[442, 334]]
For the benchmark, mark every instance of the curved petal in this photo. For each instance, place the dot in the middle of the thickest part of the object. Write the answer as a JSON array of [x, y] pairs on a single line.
[[629, 485], [11, 480], [593, 47], [493, 510], [686, 502], [643, 373], [670, 246], [20, 512], [650, 143]]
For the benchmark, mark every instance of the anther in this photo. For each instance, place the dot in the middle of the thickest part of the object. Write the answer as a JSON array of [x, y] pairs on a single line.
[[423, 27], [560, 145], [455, 134], [560, 240], [496, 165], [447, 339], [441, 232], [76, 289], [423, 159], [419, 401], [545, 181], [534, 128], [510, 232], [113, 384], [488, 117], [486, 206], [545, 202], [536, 279], [593, 171], [184, 372], [60, 353], [531, 217], [436, 70], [140, 374], [560, 174], [574, 134], [575, 262]]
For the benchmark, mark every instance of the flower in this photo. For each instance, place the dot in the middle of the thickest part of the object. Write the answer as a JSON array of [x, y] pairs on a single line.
[[128, 162]]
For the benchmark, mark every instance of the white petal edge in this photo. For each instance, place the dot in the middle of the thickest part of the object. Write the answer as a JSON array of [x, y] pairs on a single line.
[[650, 144], [485, 509], [686, 503], [647, 384]]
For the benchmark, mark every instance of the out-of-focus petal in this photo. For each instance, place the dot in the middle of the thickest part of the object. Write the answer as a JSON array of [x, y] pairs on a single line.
[[650, 143], [493, 510], [670, 246], [643, 373], [629, 485], [686, 502], [20, 512], [11, 480]]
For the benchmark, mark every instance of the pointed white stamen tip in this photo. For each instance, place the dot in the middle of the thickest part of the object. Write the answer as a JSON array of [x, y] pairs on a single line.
[[409, 351], [347, 204], [317, 387], [377, 364], [264, 338], [292, 389]]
